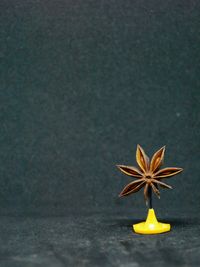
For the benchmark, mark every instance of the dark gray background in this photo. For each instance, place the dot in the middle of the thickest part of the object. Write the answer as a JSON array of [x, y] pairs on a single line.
[[82, 83]]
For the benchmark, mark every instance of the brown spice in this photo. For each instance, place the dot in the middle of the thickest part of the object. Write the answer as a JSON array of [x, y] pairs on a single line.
[[149, 174]]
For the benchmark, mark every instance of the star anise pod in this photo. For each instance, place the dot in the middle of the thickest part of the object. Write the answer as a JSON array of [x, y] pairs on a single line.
[[149, 174]]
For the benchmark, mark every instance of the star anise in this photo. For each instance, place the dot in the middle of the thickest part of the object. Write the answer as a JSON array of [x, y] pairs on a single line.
[[148, 175]]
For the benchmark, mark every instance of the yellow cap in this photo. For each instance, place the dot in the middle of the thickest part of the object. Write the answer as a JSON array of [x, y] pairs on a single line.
[[151, 226]]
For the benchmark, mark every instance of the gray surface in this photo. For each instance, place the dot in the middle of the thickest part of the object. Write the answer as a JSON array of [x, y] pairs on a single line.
[[96, 240], [82, 82]]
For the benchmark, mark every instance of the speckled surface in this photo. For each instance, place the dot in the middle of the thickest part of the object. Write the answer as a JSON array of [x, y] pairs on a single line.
[[96, 240]]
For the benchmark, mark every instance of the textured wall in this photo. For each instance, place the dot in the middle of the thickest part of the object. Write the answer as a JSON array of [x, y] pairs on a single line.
[[82, 82]]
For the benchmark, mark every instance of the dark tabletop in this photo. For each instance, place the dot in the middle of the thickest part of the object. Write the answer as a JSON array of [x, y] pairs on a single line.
[[96, 240]]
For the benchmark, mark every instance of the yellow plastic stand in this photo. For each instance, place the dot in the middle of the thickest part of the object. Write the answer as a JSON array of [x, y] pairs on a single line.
[[151, 226]]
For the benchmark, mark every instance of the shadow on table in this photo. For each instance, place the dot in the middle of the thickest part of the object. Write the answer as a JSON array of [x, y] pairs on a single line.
[[175, 222], [181, 222]]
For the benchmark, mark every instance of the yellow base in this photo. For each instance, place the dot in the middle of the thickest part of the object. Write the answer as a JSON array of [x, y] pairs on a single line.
[[151, 226]]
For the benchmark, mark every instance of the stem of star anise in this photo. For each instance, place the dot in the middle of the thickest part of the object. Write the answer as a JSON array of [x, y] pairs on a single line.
[[150, 197]]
